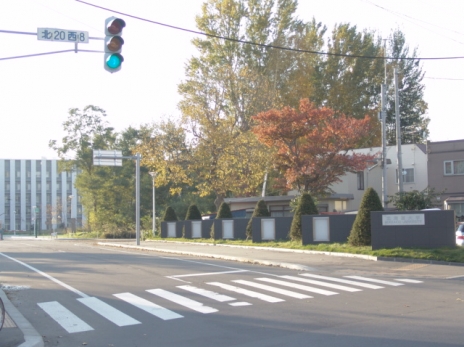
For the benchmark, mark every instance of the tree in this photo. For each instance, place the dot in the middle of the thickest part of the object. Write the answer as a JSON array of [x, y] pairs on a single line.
[[360, 234], [414, 200], [413, 122], [224, 211], [228, 83], [259, 211], [306, 206], [169, 215], [193, 213], [313, 145]]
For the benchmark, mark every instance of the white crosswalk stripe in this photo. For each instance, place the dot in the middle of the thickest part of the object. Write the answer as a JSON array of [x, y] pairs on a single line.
[[298, 286], [274, 289], [207, 293], [213, 295], [388, 283], [182, 300], [70, 322], [341, 280], [323, 284], [246, 292], [109, 312], [148, 306]]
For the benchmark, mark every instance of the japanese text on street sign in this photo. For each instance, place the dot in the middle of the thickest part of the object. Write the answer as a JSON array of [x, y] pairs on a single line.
[[403, 219], [62, 35]]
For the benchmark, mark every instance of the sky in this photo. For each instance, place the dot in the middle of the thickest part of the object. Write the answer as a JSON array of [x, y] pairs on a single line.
[[36, 93]]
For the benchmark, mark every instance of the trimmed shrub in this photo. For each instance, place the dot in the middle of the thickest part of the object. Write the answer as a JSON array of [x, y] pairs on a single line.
[[306, 206], [259, 211], [193, 213], [224, 211], [169, 215], [360, 234]]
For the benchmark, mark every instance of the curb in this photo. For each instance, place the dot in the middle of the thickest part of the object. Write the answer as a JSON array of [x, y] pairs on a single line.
[[285, 250], [214, 256], [31, 337]]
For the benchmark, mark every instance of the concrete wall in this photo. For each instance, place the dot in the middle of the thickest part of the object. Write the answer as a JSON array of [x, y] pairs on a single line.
[[205, 228], [281, 228], [239, 228], [414, 229], [179, 228], [339, 228]]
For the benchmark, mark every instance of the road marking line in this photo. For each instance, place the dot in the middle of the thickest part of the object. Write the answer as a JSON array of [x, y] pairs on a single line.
[[407, 280], [70, 322], [274, 289], [323, 284], [108, 312], [246, 292], [340, 280], [208, 273], [454, 277], [182, 300], [148, 306], [298, 286], [78, 292], [240, 303], [388, 283], [207, 293]]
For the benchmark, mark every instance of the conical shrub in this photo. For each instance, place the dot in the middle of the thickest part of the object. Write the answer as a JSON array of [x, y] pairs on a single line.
[[306, 206], [224, 211], [169, 215], [193, 213], [259, 211], [360, 234]]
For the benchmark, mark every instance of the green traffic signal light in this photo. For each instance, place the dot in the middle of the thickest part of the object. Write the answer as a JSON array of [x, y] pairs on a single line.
[[114, 61], [113, 44]]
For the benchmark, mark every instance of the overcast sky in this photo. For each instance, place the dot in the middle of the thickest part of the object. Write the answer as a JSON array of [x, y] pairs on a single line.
[[36, 93]]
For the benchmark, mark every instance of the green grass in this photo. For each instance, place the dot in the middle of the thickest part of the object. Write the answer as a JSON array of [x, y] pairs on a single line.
[[441, 254]]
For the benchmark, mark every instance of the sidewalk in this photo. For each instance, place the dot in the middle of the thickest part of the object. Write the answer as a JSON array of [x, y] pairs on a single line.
[[17, 331]]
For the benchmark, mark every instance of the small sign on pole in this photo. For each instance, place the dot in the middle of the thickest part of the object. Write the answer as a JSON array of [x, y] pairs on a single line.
[[107, 158], [62, 35]]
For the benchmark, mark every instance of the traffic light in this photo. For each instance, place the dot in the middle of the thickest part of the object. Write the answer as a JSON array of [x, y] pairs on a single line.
[[113, 44]]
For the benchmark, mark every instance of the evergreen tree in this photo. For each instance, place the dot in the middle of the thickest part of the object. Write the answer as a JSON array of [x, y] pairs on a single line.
[[360, 234], [224, 211], [259, 211], [169, 215], [193, 213], [306, 206]]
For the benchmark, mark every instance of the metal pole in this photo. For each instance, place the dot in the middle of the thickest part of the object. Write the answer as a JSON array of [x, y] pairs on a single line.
[[137, 199], [153, 174], [383, 115], [398, 135]]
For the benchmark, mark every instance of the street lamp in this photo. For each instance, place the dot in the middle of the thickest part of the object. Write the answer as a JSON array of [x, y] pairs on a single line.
[[153, 175]]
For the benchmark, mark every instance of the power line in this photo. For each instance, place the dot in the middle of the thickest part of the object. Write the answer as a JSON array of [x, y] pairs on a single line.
[[419, 20], [265, 45]]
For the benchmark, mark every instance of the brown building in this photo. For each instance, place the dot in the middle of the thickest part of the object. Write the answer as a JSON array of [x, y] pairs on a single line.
[[445, 168]]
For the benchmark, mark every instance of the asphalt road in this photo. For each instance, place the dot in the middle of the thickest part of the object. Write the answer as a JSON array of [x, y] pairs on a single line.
[[81, 293]]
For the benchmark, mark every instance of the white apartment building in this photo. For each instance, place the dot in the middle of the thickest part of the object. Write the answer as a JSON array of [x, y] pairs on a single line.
[[415, 176], [34, 190]]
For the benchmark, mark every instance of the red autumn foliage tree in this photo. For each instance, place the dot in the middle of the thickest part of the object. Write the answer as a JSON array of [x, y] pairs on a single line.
[[313, 145]]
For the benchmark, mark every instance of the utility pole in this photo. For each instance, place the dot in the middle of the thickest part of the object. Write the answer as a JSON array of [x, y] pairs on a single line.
[[383, 115], [383, 119], [398, 135]]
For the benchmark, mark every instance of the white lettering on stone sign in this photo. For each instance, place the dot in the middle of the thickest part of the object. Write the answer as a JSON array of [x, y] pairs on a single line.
[[403, 219]]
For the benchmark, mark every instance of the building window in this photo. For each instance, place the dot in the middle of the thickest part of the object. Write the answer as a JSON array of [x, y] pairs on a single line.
[[454, 167], [360, 179], [408, 175]]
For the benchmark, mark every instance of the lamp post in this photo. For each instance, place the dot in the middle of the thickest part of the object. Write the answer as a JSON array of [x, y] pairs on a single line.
[[153, 175]]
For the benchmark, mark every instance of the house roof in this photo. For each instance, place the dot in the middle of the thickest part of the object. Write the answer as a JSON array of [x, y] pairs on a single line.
[[284, 198]]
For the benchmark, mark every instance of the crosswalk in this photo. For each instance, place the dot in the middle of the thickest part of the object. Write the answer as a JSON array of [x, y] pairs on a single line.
[[272, 290]]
